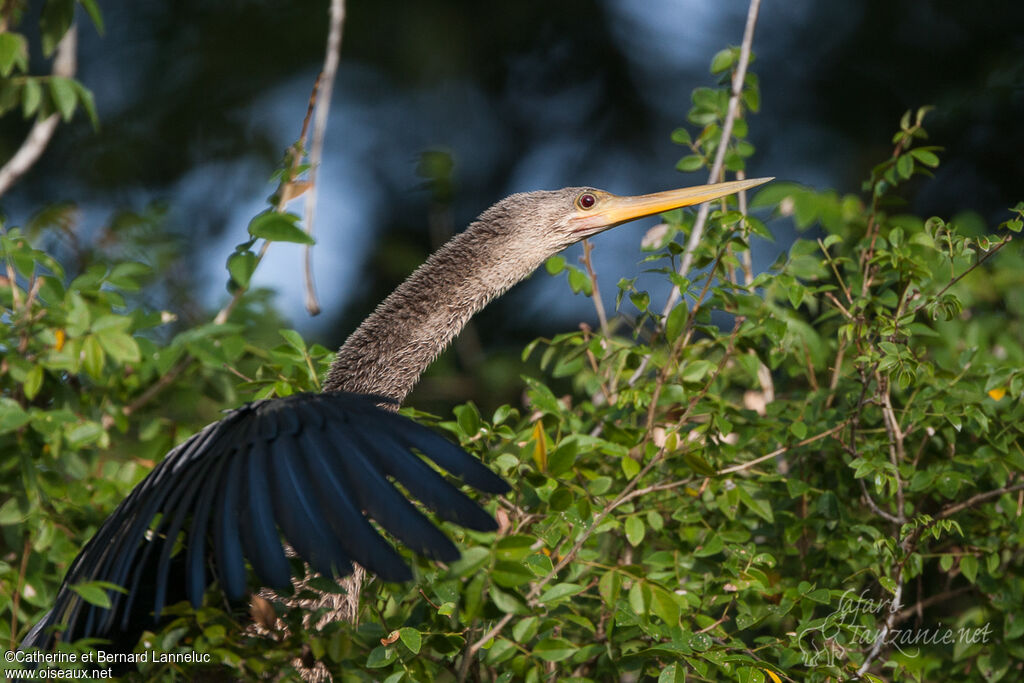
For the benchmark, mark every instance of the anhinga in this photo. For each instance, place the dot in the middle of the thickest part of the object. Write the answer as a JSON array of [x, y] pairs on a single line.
[[316, 468]]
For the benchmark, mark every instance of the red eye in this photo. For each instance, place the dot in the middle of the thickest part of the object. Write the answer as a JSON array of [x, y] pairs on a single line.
[[587, 200]]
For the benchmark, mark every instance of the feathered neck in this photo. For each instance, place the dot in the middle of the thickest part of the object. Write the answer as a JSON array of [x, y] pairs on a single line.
[[387, 353]]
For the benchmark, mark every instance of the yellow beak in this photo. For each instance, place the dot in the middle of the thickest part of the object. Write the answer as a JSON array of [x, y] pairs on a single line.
[[612, 210]]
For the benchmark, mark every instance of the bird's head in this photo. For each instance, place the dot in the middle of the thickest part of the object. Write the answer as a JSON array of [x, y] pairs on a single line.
[[549, 221]]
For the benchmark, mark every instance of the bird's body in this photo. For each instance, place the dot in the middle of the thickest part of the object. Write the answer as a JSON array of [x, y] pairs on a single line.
[[315, 469]]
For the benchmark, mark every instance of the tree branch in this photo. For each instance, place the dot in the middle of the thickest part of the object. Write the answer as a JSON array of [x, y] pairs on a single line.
[[779, 451], [64, 65], [977, 499], [323, 108], [716, 168]]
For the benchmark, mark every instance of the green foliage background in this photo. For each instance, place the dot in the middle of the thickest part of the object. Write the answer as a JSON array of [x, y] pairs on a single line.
[[740, 488]]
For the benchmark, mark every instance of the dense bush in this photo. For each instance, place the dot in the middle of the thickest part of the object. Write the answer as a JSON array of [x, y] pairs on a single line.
[[793, 476]]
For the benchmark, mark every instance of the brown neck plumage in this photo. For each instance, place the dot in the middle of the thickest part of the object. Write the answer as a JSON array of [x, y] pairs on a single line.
[[387, 354]]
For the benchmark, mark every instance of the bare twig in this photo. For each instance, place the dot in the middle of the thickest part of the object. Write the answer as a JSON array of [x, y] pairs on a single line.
[[779, 451], [746, 257], [918, 607], [716, 167], [64, 64], [16, 598], [897, 454], [883, 633], [595, 293], [323, 108], [716, 171], [977, 499], [874, 506], [835, 269]]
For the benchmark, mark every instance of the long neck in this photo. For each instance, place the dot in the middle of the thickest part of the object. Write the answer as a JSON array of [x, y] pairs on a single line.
[[387, 353]]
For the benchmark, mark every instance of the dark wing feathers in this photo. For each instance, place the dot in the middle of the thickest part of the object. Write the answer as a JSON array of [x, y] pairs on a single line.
[[442, 451], [227, 543], [385, 504], [311, 468], [259, 530]]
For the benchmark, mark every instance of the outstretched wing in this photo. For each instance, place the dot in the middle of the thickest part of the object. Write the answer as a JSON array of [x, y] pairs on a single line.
[[311, 468]]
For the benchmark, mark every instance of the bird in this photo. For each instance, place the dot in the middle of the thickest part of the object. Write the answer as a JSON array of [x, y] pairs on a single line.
[[314, 469]]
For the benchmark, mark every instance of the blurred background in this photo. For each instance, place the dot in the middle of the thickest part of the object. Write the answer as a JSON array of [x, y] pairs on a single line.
[[442, 107]]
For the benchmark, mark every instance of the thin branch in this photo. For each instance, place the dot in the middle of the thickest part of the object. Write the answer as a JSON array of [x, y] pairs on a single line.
[[874, 506], [719, 163], [746, 256], [16, 598], [883, 634], [328, 74], [595, 293], [716, 171], [931, 600], [897, 454], [977, 499], [991, 252], [779, 451], [64, 65], [835, 269]]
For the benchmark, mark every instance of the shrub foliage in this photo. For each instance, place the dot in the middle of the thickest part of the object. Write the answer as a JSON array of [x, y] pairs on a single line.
[[803, 475]]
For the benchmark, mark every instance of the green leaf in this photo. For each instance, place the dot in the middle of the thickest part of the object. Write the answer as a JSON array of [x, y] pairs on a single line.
[[969, 567], [559, 592], [33, 381], [64, 96], [506, 602], [54, 22], [562, 459], [278, 227], [13, 51], [93, 594], [554, 649], [294, 340], [88, 104], [609, 587], [691, 162], [121, 346], [555, 264], [673, 673], [695, 371], [905, 166], [15, 510], [712, 546], [926, 157], [31, 97], [641, 300], [380, 657], [681, 136], [676, 321], [93, 359], [411, 639], [579, 281], [514, 548], [798, 429], [241, 266], [93, 10], [635, 531], [723, 60], [12, 415]]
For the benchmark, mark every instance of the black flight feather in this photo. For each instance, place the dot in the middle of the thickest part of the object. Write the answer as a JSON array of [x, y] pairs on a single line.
[[312, 469]]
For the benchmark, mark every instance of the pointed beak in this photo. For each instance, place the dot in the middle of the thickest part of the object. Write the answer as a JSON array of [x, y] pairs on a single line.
[[613, 210]]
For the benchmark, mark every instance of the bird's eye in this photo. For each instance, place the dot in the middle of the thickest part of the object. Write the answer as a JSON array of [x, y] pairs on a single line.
[[586, 200]]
